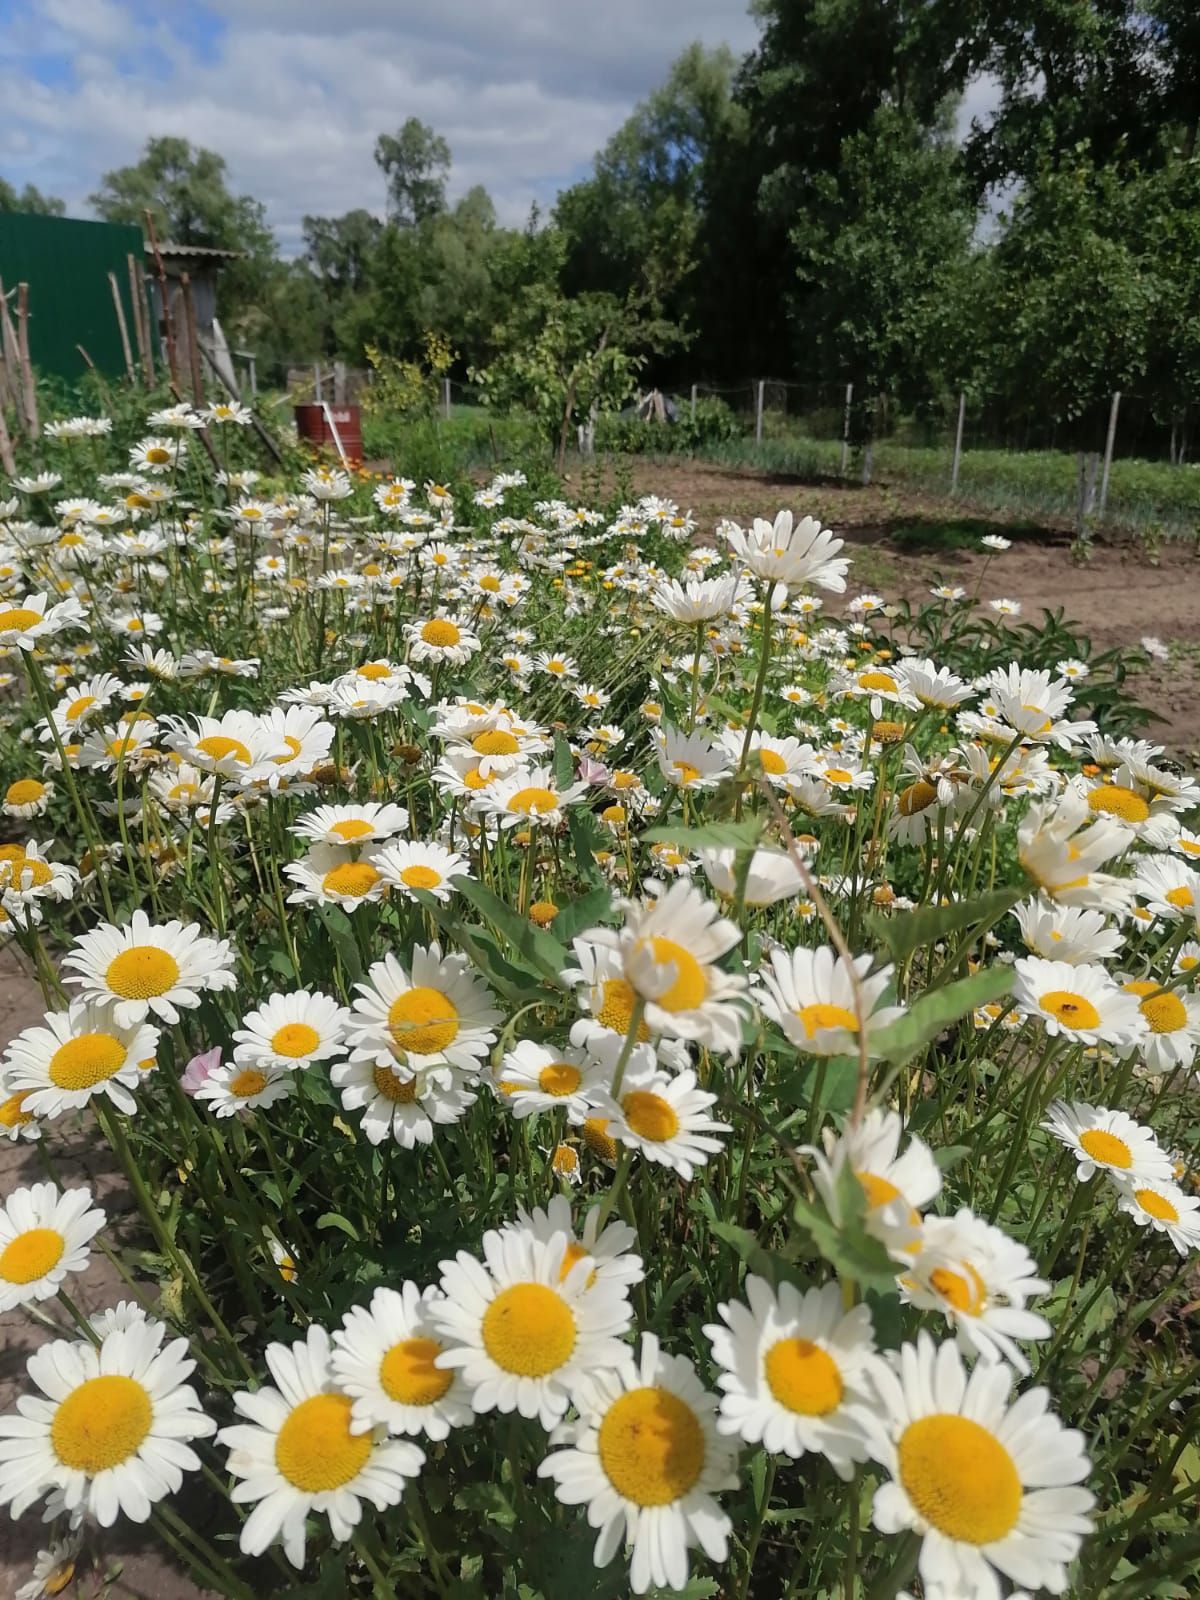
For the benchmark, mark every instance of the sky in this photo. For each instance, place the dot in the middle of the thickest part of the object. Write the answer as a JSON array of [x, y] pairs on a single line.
[[294, 92]]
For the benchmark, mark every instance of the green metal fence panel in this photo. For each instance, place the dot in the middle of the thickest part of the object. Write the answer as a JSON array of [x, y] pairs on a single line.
[[66, 263]]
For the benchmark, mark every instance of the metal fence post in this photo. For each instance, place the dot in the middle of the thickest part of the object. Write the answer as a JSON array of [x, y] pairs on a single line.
[[1109, 441], [846, 428], [758, 411], [958, 433], [446, 398], [693, 402], [317, 395]]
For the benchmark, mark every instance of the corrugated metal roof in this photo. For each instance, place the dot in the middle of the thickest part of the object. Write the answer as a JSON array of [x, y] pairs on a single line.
[[170, 248]]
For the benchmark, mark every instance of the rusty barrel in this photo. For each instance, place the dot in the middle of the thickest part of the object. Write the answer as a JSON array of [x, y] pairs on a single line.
[[313, 426]]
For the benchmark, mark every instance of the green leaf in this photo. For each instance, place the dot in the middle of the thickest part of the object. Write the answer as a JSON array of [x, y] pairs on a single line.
[[564, 763], [937, 1009], [341, 932], [712, 836], [843, 1240], [579, 914], [586, 838], [904, 934], [335, 1219], [768, 1264], [541, 950]]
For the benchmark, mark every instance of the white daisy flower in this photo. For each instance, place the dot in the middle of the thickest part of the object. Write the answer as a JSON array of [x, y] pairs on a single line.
[[111, 1435], [669, 948], [44, 1235], [523, 1332], [406, 1108], [441, 639], [1061, 844], [897, 1187], [301, 739], [231, 1089], [330, 875], [809, 994], [409, 864], [665, 1119], [533, 1077], [607, 1247], [1107, 1141], [689, 760], [357, 824], [772, 875], [16, 1120], [1067, 933], [437, 1012], [1169, 887], [528, 795], [53, 1570], [231, 746], [790, 553], [297, 1456], [1165, 1208], [979, 1279], [290, 1031], [27, 797], [148, 967], [1172, 1024], [1082, 1003], [792, 1365], [75, 1054], [988, 1486], [383, 1358], [647, 1460], [32, 619]]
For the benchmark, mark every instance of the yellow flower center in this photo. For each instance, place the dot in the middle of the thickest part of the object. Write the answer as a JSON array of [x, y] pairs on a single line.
[[295, 1039], [1072, 1010], [543, 912], [1166, 1013], [877, 680], [565, 1161], [964, 1290], [440, 632], [651, 1447], [616, 1008], [31, 1255], [88, 1059], [352, 828], [28, 873], [560, 1078], [58, 1578], [771, 761], [244, 1085], [495, 742], [401, 1093], [18, 619], [315, 1450], [917, 797], [12, 1112], [529, 1330], [533, 802], [419, 877], [101, 1423], [960, 1478], [822, 1015], [685, 772], [294, 749], [1181, 897], [219, 747], [838, 775], [803, 1377], [25, 792], [690, 986], [1156, 1205], [157, 456], [375, 670], [408, 1376], [1106, 1148], [473, 779], [423, 1021], [1116, 801], [650, 1116], [599, 1141], [351, 878]]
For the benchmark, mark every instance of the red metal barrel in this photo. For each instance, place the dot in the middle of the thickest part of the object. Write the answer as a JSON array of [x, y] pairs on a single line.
[[313, 425]]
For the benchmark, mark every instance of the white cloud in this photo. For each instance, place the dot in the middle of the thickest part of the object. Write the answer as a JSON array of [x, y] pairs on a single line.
[[294, 92]]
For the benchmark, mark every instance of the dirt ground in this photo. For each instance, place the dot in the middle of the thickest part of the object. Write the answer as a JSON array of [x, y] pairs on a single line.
[[1115, 598]]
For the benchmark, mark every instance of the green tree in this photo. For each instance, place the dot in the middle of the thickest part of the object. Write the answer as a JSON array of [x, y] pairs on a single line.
[[31, 200], [415, 163], [339, 252]]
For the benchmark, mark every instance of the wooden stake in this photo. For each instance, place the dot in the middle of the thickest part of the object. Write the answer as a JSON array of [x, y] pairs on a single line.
[[1109, 442], [140, 328], [12, 360], [27, 378], [161, 273], [153, 348], [130, 371], [846, 428], [95, 372], [255, 420], [758, 411], [958, 433], [193, 338], [7, 460]]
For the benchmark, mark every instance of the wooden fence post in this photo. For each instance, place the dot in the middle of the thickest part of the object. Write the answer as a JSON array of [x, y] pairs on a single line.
[[1109, 441], [12, 360], [124, 331], [693, 402], [758, 411], [30, 387], [446, 397], [339, 383], [161, 272], [141, 321], [846, 428], [7, 460], [958, 433], [193, 338]]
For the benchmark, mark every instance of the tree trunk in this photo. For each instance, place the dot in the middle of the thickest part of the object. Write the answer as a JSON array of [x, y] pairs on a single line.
[[868, 461]]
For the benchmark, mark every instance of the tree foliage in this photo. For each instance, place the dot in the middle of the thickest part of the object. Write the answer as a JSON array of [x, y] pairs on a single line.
[[30, 199]]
